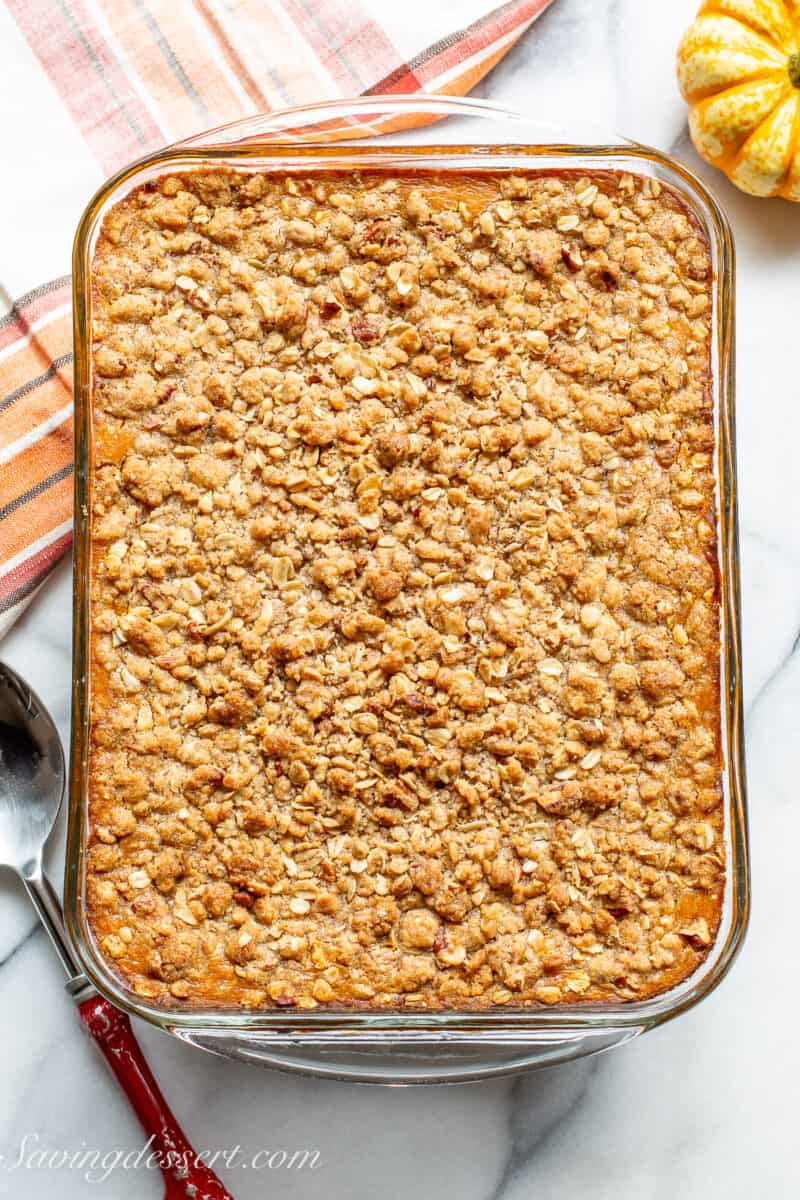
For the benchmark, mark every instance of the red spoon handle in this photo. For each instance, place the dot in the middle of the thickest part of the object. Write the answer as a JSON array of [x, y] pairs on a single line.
[[184, 1176]]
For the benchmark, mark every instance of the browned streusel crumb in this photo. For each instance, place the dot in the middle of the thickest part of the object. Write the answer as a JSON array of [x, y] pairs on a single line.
[[404, 600]]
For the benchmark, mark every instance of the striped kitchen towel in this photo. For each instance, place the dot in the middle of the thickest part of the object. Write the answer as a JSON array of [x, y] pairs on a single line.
[[88, 85]]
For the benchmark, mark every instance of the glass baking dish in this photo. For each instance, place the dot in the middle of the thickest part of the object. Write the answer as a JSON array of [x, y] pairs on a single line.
[[419, 1047]]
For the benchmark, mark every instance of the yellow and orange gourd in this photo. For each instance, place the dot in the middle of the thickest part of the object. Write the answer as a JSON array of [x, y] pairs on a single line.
[[739, 71]]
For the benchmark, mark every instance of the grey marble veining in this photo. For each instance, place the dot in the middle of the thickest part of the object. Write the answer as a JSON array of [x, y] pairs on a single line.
[[703, 1108]]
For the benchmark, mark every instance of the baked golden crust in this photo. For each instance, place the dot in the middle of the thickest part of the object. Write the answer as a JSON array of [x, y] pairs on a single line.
[[405, 630]]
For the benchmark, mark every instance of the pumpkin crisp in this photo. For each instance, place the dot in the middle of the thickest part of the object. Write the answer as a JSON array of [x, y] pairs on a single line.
[[405, 629]]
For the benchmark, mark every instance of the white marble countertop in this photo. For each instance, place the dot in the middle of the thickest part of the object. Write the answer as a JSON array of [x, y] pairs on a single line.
[[704, 1107]]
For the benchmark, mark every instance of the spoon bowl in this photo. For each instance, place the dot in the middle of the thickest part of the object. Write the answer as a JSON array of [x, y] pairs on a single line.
[[32, 774]]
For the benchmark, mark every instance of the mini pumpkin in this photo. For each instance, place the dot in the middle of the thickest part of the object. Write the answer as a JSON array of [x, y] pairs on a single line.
[[739, 71]]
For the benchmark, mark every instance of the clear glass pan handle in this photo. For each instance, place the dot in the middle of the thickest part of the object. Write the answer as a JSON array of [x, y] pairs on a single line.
[[362, 119]]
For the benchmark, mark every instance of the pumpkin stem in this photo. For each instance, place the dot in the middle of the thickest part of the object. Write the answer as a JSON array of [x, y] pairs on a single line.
[[794, 69]]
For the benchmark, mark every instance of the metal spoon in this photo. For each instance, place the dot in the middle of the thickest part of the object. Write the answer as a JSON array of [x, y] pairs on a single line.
[[32, 775]]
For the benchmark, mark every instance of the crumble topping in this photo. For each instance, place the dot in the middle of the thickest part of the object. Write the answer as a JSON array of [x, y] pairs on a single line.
[[404, 601]]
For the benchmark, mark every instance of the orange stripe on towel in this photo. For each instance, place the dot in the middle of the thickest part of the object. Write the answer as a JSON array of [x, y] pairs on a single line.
[[43, 510]]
